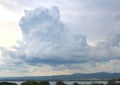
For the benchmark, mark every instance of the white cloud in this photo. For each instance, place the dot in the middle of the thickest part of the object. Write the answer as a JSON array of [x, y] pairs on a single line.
[[47, 37], [52, 45], [12, 5], [110, 66]]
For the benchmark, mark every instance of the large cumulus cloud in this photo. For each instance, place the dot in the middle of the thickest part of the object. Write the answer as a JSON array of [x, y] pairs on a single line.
[[49, 42], [48, 39]]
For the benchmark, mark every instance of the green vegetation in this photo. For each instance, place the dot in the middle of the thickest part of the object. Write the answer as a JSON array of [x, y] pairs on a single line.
[[35, 83], [113, 82], [60, 82], [44, 83], [7, 83], [30, 83], [97, 84], [75, 83]]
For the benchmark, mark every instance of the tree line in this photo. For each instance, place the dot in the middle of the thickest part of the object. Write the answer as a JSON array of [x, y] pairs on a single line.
[[60, 82]]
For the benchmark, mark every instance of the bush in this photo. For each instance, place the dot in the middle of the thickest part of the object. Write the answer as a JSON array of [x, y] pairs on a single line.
[[7, 83], [60, 83], [30, 83], [44, 83], [75, 83], [111, 82], [97, 84]]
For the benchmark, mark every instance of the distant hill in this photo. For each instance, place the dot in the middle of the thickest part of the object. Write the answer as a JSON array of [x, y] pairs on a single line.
[[76, 76], [100, 75]]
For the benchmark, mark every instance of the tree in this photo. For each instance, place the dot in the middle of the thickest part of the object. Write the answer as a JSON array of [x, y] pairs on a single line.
[[111, 82], [60, 83], [97, 84], [75, 83], [7, 83], [119, 80], [30, 83], [44, 83]]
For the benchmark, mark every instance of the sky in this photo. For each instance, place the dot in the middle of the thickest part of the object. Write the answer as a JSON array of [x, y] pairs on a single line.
[[59, 37]]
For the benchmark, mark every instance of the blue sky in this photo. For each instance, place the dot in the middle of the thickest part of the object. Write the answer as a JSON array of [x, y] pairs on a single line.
[[49, 37]]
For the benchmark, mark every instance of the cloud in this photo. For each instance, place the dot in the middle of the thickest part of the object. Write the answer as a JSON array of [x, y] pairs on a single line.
[[83, 16], [110, 66], [50, 43], [48, 39], [12, 5]]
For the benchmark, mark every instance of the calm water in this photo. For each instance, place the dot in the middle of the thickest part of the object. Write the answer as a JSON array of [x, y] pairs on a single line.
[[67, 82]]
